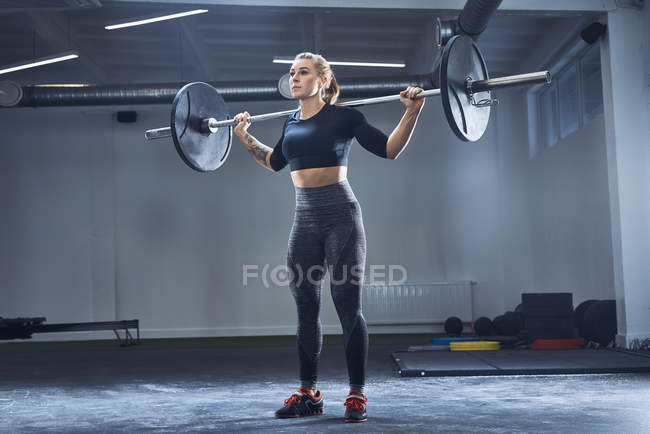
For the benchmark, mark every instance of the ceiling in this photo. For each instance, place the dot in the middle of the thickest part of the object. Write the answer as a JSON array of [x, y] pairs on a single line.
[[239, 42]]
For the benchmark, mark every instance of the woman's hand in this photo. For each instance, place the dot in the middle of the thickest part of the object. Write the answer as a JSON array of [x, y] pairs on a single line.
[[408, 98], [242, 124]]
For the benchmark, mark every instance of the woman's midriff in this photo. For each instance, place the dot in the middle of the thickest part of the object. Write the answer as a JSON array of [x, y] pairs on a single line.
[[319, 176]]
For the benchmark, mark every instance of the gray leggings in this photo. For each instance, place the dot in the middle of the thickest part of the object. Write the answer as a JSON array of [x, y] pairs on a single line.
[[328, 235]]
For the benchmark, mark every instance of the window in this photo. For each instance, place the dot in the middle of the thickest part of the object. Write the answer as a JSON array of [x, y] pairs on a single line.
[[548, 103], [568, 93], [573, 99], [592, 84]]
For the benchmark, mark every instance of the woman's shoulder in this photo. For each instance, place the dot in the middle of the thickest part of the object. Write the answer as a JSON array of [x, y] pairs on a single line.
[[347, 111], [351, 116]]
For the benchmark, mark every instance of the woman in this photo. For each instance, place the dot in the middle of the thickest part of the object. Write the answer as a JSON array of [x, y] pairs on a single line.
[[328, 226]]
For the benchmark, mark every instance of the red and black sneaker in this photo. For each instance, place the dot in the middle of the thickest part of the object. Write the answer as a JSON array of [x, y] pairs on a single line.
[[355, 407], [301, 403]]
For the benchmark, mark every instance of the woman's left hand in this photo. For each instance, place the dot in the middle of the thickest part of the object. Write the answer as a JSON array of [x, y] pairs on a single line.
[[408, 98]]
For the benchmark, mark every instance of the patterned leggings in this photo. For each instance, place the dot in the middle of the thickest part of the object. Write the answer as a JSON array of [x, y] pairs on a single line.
[[328, 235]]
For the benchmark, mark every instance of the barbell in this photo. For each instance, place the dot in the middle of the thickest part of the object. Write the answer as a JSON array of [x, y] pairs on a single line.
[[199, 114]]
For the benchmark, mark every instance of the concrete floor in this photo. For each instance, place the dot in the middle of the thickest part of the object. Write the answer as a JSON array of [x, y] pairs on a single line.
[[238, 389]]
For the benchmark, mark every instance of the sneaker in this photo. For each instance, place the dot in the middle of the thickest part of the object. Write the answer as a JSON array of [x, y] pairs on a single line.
[[355, 407], [300, 404]]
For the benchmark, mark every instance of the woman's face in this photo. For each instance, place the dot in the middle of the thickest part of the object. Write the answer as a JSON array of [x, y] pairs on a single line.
[[305, 82]]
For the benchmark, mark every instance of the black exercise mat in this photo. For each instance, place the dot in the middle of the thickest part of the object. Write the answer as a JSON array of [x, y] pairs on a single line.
[[519, 362]]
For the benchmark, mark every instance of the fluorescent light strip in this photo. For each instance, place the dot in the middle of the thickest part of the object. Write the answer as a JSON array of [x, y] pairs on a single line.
[[154, 20], [39, 62], [334, 62], [62, 85]]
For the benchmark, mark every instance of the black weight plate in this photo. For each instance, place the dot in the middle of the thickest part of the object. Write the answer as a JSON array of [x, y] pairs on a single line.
[[201, 151], [461, 59]]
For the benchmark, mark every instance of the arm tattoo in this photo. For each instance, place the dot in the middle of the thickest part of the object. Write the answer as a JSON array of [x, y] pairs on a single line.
[[256, 149]]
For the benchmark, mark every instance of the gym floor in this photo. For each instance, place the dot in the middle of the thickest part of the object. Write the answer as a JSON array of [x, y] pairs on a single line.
[[194, 387]]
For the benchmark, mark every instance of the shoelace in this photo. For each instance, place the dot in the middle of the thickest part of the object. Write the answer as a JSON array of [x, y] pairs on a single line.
[[293, 399], [357, 404]]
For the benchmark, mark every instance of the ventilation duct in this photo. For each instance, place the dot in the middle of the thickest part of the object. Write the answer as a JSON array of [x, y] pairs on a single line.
[[135, 94], [471, 21]]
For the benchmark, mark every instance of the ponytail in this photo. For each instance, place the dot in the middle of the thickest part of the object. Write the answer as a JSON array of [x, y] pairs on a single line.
[[330, 93]]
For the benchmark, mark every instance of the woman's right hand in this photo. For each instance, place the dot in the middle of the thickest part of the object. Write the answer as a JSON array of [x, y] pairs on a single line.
[[242, 123]]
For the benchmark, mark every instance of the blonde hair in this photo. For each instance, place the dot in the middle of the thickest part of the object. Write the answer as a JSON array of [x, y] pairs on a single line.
[[329, 93]]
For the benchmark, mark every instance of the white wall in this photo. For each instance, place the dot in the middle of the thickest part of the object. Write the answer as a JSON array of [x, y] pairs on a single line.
[[554, 210], [514, 200], [47, 227], [569, 216]]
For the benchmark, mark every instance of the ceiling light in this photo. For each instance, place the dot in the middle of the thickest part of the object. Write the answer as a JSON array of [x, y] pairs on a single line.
[[62, 85], [156, 19], [39, 62], [397, 64]]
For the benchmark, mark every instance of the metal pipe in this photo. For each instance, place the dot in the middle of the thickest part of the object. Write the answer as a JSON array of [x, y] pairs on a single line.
[[471, 21], [476, 14]]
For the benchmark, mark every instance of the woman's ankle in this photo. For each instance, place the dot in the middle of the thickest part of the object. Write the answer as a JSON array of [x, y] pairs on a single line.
[[356, 388], [309, 390]]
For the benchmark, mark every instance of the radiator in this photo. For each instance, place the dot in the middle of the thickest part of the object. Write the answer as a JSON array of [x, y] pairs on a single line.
[[417, 303]]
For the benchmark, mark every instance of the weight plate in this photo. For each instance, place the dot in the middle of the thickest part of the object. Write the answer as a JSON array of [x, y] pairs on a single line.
[[557, 344], [284, 86], [474, 346], [461, 61], [201, 151]]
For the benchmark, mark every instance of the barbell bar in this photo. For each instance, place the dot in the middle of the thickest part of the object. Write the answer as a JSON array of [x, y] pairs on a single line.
[[211, 125], [199, 114]]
